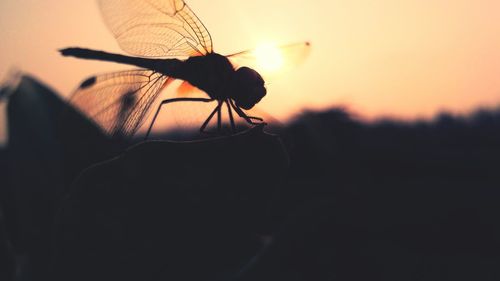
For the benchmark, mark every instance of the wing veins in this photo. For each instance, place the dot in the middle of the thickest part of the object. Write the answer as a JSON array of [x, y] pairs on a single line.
[[195, 48], [200, 40], [169, 22], [121, 83], [102, 110], [144, 107]]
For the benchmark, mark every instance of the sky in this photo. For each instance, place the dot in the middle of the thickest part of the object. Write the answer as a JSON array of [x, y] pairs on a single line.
[[397, 58]]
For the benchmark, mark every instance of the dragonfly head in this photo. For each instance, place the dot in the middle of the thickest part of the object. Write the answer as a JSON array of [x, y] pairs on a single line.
[[247, 87]]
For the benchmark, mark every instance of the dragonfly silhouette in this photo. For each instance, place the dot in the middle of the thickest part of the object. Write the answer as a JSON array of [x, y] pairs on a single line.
[[168, 42]]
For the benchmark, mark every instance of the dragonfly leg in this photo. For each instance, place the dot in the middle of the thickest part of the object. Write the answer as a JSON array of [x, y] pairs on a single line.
[[219, 118], [205, 124], [171, 101], [247, 118], [231, 118]]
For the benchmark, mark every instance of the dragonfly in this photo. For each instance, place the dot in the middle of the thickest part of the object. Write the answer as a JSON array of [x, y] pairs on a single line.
[[167, 42]]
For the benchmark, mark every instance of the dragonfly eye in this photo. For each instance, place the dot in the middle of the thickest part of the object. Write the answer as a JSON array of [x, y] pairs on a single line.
[[248, 87]]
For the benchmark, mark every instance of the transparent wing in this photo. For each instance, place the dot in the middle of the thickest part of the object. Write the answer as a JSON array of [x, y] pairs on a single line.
[[272, 61], [156, 28], [119, 102]]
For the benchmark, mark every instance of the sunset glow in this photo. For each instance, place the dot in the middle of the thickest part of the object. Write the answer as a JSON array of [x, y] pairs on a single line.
[[269, 57], [407, 59]]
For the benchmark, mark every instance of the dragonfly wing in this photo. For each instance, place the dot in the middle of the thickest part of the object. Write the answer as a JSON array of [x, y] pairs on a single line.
[[156, 28], [119, 102], [289, 57]]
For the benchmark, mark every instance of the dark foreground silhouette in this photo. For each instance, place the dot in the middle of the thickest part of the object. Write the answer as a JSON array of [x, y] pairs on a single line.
[[358, 201], [170, 211]]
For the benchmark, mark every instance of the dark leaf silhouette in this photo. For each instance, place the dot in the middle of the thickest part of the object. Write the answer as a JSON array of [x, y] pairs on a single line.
[[385, 200]]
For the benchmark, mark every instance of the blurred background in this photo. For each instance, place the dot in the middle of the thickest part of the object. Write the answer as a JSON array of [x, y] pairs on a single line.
[[386, 170]]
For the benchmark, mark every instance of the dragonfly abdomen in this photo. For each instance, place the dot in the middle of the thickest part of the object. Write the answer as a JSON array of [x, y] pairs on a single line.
[[165, 66]]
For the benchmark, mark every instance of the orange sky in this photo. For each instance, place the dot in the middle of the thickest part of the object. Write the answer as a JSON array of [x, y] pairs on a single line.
[[406, 58]]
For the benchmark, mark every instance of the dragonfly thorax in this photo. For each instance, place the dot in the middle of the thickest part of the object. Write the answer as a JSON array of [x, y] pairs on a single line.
[[215, 75]]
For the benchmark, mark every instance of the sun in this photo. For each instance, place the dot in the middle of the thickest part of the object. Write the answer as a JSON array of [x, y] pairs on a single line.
[[269, 57]]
